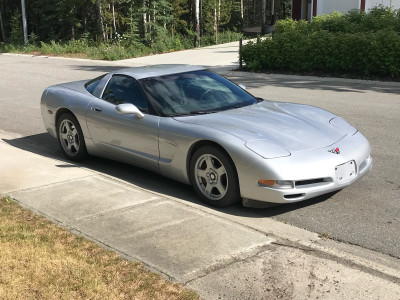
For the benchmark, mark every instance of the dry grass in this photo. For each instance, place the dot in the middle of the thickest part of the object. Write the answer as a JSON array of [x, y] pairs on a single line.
[[39, 260]]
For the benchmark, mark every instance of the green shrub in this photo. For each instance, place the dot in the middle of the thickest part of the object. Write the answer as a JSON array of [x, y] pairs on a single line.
[[289, 25], [223, 37], [33, 39], [228, 36], [380, 18], [355, 43], [16, 36], [334, 22]]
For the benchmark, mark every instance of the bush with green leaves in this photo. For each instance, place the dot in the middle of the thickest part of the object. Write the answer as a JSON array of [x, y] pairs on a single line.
[[357, 44], [16, 36]]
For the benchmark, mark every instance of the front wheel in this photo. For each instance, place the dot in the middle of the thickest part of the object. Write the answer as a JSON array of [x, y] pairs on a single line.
[[214, 177], [71, 138]]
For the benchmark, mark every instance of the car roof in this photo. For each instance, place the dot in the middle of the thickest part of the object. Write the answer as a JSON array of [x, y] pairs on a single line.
[[157, 70]]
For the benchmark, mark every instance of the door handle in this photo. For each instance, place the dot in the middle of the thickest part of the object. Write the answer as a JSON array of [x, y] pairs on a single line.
[[96, 108]]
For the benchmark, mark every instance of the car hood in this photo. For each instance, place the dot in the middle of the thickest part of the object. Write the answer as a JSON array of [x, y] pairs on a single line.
[[294, 127]]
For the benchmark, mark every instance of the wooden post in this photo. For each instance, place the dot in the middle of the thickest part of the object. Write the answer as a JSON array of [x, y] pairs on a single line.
[[240, 53], [263, 19], [272, 12]]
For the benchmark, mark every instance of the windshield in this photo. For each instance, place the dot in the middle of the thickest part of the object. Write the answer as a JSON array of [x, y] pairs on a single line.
[[194, 93]]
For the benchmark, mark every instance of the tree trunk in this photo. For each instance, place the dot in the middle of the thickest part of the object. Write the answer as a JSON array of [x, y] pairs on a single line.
[[2, 27], [154, 15], [153, 21], [217, 17], [154, 12], [144, 21], [165, 23], [24, 24], [241, 10], [215, 23], [197, 22], [201, 18], [219, 11], [114, 26], [100, 20]]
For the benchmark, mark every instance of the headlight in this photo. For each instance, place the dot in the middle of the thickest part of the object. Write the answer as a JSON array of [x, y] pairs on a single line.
[[266, 149]]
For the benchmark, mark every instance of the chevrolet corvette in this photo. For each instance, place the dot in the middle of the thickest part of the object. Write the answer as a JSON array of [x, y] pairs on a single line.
[[197, 127]]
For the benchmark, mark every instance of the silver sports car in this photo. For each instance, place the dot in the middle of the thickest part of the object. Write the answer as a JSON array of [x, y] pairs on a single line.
[[195, 126]]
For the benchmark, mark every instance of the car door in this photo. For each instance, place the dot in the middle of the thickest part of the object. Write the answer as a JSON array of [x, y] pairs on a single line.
[[124, 136]]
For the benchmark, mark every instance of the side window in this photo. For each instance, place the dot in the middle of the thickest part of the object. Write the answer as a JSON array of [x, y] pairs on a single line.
[[92, 84], [124, 89]]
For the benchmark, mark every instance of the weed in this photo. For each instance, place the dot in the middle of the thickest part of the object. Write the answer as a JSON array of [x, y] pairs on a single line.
[[324, 235]]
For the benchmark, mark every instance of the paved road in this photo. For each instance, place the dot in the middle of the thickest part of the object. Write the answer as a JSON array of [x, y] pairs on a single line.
[[366, 214]]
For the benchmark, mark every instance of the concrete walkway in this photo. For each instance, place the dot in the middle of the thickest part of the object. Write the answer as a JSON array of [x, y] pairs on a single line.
[[221, 57], [219, 255]]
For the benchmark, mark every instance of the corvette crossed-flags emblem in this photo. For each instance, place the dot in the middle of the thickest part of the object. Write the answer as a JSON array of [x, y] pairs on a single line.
[[334, 151]]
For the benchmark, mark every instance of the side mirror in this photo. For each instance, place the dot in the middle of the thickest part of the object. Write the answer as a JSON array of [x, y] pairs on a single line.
[[242, 86], [129, 108]]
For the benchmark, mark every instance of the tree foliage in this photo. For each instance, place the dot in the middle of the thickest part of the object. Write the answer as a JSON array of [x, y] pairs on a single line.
[[145, 22]]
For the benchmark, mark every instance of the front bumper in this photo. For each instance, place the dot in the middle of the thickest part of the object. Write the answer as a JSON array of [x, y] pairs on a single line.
[[312, 172]]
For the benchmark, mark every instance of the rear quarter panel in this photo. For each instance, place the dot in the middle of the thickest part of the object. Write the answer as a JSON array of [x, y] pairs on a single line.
[[57, 98]]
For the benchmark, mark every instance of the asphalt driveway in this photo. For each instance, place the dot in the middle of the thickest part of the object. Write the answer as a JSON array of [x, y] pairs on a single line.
[[365, 214]]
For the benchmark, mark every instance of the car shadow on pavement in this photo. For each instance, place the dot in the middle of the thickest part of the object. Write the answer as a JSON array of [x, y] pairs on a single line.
[[99, 68], [45, 145], [262, 210]]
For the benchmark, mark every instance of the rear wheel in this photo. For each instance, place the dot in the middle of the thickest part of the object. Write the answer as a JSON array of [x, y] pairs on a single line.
[[214, 177], [71, 138]]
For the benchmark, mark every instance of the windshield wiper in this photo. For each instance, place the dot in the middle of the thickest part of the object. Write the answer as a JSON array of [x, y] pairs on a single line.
[[202, 112], [193, 112]]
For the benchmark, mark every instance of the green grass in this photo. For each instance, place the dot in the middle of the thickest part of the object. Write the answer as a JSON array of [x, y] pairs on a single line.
[[84, 48], [39, 260], [76, 48]]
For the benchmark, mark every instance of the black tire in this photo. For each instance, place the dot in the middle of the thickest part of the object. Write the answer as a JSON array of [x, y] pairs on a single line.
[[70, 137], [214, 178]]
